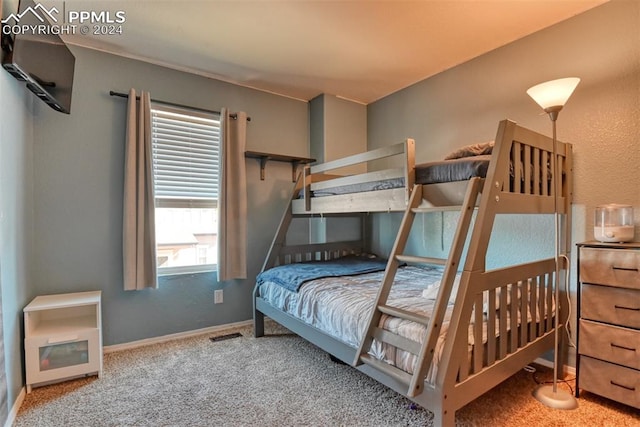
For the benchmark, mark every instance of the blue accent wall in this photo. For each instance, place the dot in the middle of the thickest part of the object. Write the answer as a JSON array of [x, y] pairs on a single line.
[[78, 182], [16, 225]]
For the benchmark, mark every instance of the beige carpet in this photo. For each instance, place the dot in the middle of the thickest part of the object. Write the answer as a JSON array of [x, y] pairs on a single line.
[[278, 380]]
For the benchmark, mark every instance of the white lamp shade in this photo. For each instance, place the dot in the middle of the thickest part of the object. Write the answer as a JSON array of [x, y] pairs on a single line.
[[554, 93]]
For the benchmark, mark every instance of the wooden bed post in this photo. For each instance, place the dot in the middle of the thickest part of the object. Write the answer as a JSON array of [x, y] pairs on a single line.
[[477, 252], [274, 251], [409, 169]]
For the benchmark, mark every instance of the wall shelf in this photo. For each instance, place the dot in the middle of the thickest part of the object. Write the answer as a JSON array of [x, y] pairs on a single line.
[[265, 157]]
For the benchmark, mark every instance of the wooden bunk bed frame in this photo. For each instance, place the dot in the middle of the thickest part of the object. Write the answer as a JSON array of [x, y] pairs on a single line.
[[519, 180]]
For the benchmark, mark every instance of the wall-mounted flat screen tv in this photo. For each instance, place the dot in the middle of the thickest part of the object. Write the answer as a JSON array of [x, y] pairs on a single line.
[[35, 54]]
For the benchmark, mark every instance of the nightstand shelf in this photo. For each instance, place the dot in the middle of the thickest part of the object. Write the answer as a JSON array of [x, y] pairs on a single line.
[[63, 337]]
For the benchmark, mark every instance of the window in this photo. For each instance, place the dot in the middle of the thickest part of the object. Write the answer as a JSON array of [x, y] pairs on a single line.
[[185, 152]]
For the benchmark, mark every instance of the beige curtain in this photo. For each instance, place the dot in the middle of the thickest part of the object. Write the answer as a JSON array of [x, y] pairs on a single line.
[[232, 198], [138, 233]]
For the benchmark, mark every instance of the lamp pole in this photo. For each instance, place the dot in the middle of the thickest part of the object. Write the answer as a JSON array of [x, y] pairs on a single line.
[[552, 96]]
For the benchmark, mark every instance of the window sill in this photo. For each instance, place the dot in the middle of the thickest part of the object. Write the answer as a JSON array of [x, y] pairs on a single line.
[[191, 269]]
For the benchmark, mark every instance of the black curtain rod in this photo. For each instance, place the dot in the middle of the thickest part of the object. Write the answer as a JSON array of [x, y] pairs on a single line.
[[172, 104]]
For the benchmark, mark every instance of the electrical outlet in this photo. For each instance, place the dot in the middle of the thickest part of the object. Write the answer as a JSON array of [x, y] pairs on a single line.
[[218, 296]]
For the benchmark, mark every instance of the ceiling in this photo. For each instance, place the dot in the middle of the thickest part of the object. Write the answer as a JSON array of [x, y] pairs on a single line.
[[359, 50]]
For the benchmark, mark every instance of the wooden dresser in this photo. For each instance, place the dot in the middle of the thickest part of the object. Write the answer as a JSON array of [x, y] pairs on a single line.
[[608, 338]]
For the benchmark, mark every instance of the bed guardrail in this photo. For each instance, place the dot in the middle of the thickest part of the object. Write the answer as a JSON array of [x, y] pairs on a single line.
[[316, 178]]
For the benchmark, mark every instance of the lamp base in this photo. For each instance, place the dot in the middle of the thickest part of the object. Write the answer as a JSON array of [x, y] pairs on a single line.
[[559, 399]]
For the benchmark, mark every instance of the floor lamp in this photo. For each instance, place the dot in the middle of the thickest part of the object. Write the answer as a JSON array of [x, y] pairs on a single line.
[[552, 96]]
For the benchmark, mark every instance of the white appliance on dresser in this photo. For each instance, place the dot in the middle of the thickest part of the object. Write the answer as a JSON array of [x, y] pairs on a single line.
[[608, 339]]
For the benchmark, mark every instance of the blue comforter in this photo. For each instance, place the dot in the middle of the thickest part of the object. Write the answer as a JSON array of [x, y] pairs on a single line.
[[292, 276]]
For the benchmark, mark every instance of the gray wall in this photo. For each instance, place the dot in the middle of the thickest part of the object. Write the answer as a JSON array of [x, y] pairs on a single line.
[[16, 221], [338, 128], [78, 168], [464, 105]]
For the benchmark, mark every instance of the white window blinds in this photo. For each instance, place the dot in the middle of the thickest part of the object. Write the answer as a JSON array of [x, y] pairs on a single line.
[[186, 154]]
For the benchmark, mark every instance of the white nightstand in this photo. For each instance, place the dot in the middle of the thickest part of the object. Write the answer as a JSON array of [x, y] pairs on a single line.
[[63, 337]]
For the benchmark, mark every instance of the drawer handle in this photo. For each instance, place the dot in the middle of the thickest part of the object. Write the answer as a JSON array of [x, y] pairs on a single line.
[[621, 307], [622, 347], [623, 386], [624, 268]]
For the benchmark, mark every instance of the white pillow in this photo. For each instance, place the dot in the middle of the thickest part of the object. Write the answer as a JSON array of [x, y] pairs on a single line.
[[431, 292], [478, 149]]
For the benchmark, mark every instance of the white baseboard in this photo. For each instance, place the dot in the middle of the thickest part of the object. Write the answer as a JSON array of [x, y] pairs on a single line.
[[15, 408], [171, 337], [213, 329], [135, 344]]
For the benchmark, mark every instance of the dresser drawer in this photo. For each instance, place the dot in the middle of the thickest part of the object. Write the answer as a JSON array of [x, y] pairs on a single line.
[[611, 343], [614, 267], [611, 381], [611, 305]]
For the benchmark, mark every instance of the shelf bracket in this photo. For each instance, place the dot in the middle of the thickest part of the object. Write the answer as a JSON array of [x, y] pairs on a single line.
[[263, 164], [265, 157]]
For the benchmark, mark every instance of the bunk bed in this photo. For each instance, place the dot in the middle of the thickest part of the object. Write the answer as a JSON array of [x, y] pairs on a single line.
[[439, 331]]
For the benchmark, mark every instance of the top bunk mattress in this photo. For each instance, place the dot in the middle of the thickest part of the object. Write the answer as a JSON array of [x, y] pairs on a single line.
[[452, 170], [436, 172]]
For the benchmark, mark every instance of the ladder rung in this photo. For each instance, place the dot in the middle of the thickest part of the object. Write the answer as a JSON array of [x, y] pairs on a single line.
[[421, 260], [388, 369], [427, 209], [404, 314], [397, 341]]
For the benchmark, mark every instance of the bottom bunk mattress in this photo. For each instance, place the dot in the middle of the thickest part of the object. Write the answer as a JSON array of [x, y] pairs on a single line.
[[341, 306]]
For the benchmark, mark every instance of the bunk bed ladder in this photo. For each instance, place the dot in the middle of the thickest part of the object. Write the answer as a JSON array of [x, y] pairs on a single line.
[[424, 352]]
